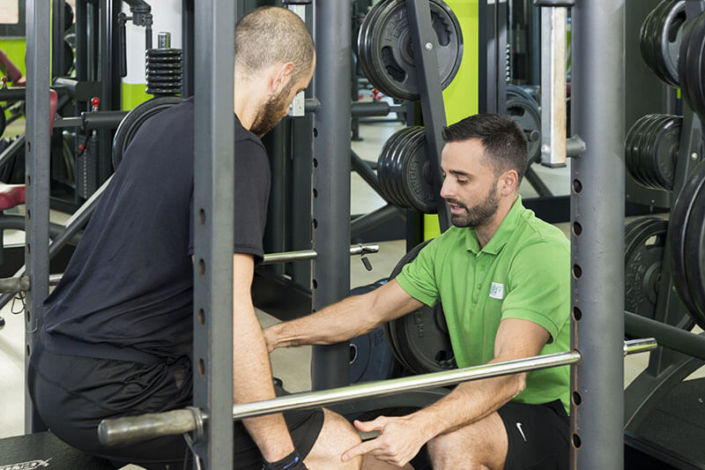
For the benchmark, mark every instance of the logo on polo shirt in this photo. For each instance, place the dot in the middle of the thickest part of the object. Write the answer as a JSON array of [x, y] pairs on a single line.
[[497, 291]]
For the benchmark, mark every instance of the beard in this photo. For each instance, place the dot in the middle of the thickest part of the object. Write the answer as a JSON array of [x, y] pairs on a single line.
[[271, 113], [478, 214]]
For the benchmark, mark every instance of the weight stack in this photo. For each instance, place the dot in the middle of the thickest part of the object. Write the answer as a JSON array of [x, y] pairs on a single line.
[[164, 71]]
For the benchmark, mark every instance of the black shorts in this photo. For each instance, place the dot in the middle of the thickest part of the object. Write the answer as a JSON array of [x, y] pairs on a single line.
[[73, 394], [538, 436]]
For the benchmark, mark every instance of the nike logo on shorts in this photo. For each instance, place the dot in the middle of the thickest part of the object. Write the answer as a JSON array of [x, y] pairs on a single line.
[[521, 431]]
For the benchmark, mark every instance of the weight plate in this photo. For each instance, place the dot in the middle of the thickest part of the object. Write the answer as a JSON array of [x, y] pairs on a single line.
[[638, 149], [515, 91], [670, 38], [420, 338], [68, 16], [390, 55], [698, 69], [643, 254], [695, 256], [163, 91], [679, 221], [68, 57], [418, 177], [666, 151], [172, 52], [398, 156], [384, 168], [528, 117], [646, 41], [683, 58], [371, 358], [690, 64], [649, 152], [162, 66], [134, 119], [636, 142], [365, 43]]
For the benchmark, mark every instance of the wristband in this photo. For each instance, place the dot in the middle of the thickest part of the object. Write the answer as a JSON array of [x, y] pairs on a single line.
[[290, 462]]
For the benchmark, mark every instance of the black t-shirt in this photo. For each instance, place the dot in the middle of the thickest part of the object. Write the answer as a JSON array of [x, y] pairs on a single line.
[[127, 292]]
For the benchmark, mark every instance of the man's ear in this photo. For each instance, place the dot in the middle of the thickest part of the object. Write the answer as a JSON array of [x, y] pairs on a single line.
[[280, 76], [509, 182]]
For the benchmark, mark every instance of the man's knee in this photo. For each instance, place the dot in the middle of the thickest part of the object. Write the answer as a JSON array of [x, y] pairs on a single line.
[[482, 445], [337, 435]]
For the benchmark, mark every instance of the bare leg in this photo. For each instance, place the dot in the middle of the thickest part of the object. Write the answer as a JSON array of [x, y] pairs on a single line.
[[337, 435], [371, 463], [479, 446]]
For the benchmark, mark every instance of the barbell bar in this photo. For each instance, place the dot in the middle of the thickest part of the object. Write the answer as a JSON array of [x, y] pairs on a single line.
[[115, 431], [22, 284]]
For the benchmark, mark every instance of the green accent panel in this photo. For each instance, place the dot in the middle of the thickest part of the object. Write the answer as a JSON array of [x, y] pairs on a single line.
[[15, 50], [461, 98], [133, 94]]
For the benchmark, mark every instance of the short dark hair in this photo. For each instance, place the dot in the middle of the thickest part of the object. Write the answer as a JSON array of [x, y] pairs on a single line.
[[270, 35], [504, 142]]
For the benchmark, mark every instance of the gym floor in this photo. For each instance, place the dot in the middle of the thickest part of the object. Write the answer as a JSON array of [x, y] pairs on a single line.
[[291, 365]]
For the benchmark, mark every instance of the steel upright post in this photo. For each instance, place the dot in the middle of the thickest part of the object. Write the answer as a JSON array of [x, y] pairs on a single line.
[[214, 168], [36, 180], [331, 179], [597, 216]]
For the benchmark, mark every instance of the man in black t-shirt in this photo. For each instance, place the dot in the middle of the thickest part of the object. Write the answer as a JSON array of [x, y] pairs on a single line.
[[117, 333]]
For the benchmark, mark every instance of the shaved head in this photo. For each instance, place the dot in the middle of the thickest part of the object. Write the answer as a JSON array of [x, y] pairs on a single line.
[[273, 35]]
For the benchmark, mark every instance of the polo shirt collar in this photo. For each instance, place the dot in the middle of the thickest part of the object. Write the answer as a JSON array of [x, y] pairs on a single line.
[[501, 236]]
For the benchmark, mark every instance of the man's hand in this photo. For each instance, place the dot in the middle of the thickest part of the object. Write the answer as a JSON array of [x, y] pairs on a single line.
[[269, 339], [398, 442]]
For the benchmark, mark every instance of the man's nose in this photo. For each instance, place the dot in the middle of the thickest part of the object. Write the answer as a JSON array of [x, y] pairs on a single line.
[[446, 188]]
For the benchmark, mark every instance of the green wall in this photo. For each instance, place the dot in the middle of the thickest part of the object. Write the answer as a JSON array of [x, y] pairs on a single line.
[[15, 49], [133, 94]]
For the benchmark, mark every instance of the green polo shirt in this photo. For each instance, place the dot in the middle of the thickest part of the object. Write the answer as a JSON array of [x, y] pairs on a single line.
[[523, 272]]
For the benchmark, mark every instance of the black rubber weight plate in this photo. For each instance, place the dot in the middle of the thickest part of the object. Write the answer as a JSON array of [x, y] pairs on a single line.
[[391, 65], [695, 256], [371, 358], [131, 123], [679, 221], [420, 338], [643, 254]]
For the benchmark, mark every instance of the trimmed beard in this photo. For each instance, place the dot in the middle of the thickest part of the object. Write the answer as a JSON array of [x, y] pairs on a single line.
[[480, 213]]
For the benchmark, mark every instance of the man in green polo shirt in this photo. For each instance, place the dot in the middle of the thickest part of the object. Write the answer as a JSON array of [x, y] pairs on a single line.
[[502, 276]]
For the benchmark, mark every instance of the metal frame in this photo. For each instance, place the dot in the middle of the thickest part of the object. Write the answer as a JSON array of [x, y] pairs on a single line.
[[214, 27], [331, 179], [493, 35], [424, 45], [36, 181], [597, 216]]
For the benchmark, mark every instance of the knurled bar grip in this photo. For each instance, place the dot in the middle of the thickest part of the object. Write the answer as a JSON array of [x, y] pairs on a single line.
[[138, 428]]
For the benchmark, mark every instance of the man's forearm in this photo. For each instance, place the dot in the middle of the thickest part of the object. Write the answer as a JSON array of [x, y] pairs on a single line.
[[468, 403], [252, 381], [333, 324]]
